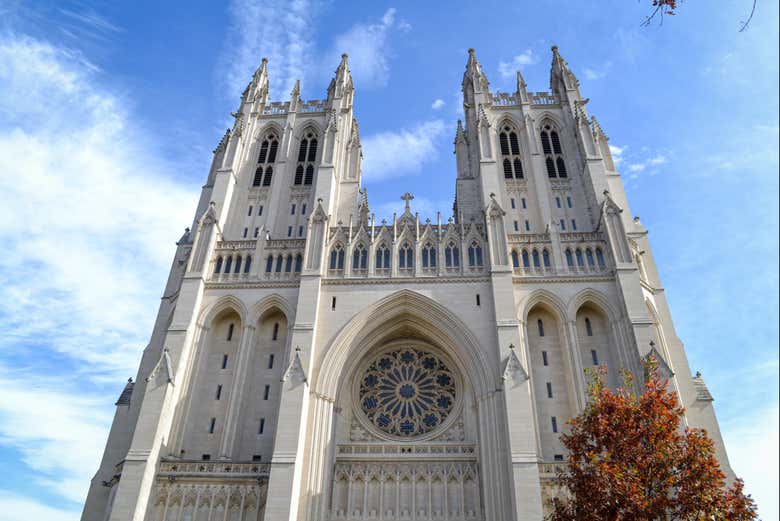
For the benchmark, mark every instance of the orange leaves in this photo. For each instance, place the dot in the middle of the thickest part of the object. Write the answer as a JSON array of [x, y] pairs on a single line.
[[630, 460]]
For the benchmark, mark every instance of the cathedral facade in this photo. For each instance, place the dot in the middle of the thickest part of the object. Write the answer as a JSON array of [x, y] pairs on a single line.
[[310, 362]]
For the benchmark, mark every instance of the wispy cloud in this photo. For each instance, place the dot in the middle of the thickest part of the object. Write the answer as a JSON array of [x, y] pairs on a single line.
[[279, 30], [509, 68], [617, 154], [752, 440], [88, 223], [596, 73], [368, 46], [399, 153], [439, 103]]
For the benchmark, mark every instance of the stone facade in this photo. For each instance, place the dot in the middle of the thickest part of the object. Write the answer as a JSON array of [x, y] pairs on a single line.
[[311, 363]]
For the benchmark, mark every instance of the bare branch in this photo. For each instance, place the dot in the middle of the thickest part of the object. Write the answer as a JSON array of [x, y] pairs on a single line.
[[747, 22]]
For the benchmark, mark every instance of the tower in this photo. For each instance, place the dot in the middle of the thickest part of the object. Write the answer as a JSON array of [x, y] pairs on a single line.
[[311, 363]]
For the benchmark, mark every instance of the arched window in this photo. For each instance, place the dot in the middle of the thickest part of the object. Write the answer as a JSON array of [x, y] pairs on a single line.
[[600, 257], [535, 256], [237, 269], [337, 258], [526, 260], [218, 265], [279, 261], [383, 257], [266, 157], [510, 150], [515, 260], [268, 176], [428, 256], [540, 326], [228, 264], [298, 263], [589, 256], [248, 263], [569, 259], [475, 254], [288, 264], [546, 258], [307, 153], [359, 257], [551, 146], [588, 327], [451, 255], [269, 264], [578, 254], [405, 256]]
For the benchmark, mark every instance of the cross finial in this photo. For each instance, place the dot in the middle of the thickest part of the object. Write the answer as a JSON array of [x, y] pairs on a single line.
[[406, 198]]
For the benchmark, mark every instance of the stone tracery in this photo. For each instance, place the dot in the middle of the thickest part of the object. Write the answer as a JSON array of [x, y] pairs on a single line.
[[407, 392]]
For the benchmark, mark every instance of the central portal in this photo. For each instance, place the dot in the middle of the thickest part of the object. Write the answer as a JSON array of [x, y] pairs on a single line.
[[406, 438]]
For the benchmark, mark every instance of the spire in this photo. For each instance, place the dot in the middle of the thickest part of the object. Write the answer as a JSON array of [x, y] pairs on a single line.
[[460, 136], [295, 96], [562, 80], [521, 85], [258, 87], [341, 85], [474, 74], [363, 208]]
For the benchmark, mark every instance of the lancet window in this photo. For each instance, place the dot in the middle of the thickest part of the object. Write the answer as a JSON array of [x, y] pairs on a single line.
[[337, 258], [553, 153], [307, 153], [475, 254], [267, 156], [405, 256], [510, 153], [360, 257], [383, 257], [451, 256], [428, 256]]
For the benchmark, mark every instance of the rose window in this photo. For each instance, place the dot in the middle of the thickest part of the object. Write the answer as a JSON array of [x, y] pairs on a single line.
[[407, 392]]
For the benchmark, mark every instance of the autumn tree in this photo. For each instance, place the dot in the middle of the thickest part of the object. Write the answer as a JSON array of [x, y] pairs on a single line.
[[631, 460]]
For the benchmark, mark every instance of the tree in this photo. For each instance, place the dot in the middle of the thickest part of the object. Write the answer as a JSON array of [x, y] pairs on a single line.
[[629, 459]]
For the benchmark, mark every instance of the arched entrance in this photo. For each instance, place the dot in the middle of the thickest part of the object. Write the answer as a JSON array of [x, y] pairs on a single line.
[[404, 420]]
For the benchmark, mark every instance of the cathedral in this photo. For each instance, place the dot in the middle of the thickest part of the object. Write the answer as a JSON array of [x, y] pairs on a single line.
[[310, 362]]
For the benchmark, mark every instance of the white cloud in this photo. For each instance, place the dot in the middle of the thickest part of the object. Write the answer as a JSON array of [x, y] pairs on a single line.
[[279, 30], [16, 508], [61, 449], [399, 153], [598, 72], [88, 223], [369, 50], [508, 69], [617, 154], [99, 214], [439, 103], [752, 443]]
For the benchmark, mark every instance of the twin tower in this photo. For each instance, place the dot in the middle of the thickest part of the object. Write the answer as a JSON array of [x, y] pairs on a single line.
[[309, 363]]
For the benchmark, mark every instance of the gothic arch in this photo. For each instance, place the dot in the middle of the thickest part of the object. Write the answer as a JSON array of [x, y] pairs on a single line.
[[261, 132], [402, 310], [268, 303], [227, 302], [594, 298], [309, 124], [548, 117], [548, 299]]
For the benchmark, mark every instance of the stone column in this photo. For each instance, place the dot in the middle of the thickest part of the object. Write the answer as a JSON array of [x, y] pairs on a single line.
[[232, 419]]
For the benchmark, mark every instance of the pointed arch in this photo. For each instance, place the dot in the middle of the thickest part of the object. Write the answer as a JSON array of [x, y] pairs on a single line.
[[219, 307], [546, 298], [269, 303], [407, 309]]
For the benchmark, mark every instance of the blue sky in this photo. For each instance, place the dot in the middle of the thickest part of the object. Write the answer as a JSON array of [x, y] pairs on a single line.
[[109, 112]]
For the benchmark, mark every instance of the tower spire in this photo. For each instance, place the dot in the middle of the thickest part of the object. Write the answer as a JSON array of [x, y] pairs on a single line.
[[258, 88], [341, 85], [563, 82], [474, 74]]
